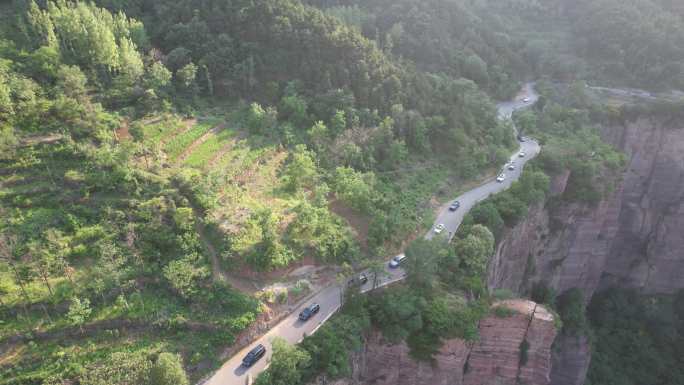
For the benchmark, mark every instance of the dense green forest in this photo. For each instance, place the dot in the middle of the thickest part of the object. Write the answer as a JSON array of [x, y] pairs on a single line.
[[638, 339], [149, 149], [495, 42]]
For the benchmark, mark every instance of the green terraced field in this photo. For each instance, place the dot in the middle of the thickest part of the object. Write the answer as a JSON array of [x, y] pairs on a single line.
[[207, 150], [175, 147]]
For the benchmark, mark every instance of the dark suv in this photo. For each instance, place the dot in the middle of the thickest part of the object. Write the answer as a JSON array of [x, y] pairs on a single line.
[[454, 206], [254, 355], [309, 311], [359, 281]]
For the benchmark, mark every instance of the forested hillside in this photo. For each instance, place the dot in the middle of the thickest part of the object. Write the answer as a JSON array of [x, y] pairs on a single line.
[[150, 149], [494, 42]]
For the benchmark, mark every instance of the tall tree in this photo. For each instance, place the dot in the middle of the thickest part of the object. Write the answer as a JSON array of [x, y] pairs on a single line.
[[79, 312], [287, 364], [168, 370], [422, 264]]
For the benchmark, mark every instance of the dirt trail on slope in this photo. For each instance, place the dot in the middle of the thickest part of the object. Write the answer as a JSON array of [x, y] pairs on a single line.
[[217, 273]]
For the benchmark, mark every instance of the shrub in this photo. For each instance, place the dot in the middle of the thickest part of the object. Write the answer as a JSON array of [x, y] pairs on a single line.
[[524, 347], [501, 294], [542, 293], [571, 309], [503, 312]]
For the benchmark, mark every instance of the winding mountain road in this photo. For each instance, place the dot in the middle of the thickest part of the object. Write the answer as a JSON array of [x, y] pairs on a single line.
[[293, 330]]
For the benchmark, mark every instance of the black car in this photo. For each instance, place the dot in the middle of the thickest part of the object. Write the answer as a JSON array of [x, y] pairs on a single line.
[[454, 206], [360, 280], [309, 311], [254, 355]]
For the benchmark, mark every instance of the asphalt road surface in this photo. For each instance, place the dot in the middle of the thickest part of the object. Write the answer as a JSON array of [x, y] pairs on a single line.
[[292, 330]]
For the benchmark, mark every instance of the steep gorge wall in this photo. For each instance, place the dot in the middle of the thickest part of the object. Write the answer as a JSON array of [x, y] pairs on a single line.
[[633, 238]]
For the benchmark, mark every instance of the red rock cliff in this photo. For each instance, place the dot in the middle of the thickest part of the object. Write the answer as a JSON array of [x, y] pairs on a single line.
[[494, 359]]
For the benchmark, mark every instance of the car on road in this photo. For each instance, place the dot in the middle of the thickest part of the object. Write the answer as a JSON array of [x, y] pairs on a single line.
[[309, 311], [396, 261], [454, 206], [511, 166], [521, 139], [254, 355], [439, 228], [522, 154], [501, 178], [526, 100], [360, 280]]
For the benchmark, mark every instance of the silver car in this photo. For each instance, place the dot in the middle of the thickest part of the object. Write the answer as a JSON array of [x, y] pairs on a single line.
[[396, 261]]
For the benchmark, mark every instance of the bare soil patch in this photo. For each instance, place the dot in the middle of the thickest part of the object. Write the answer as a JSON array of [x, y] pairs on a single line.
[[357, 221]]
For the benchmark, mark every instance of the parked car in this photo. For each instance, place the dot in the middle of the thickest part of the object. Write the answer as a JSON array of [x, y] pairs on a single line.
[[526, 100], [254, 355], [454, 206], [309, 311], [396, 261], [511, 166], [522, 154], [439, 228], [501, 178], [360, 280]]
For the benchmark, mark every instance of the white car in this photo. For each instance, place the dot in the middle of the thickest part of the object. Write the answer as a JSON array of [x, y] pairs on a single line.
[[522, 154], [526, 100], [439, 228], [396, 261], [501, 178], [511, 166]]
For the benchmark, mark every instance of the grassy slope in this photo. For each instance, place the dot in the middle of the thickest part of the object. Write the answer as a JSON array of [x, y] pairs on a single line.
[[42, 193]]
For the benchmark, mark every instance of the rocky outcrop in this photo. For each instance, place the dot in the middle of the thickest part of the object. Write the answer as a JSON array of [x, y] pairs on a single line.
[[494, 359], [513, 350], [391, 364]]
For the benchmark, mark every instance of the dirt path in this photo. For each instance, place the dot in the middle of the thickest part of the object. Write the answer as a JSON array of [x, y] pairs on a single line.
[[214, 130], [42, 139], [217, 273]]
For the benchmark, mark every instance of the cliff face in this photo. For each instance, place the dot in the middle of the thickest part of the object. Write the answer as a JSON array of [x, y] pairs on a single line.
[[570, 360], [494, 359], [500, 358], [633, 238]]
